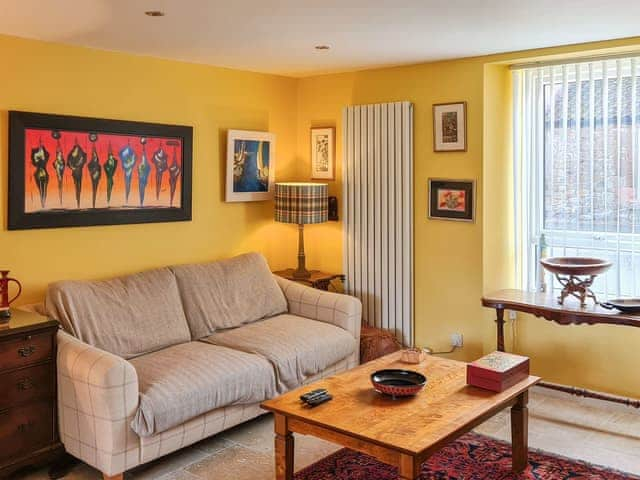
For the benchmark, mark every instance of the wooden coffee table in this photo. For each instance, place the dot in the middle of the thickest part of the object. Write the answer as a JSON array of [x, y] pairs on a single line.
[[402, 432]]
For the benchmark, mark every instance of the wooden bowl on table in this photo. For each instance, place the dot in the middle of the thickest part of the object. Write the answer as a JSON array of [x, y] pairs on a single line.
[[576, 265], [576, 275]]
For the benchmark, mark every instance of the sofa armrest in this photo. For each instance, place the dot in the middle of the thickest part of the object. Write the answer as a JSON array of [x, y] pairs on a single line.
[[343, 311], [97, 397]]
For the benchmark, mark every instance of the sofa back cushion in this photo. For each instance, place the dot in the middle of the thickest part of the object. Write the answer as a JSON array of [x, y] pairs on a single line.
[[127, 316], [228, 293]]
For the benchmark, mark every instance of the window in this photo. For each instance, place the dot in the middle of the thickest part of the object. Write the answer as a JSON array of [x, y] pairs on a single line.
[[577, 170]]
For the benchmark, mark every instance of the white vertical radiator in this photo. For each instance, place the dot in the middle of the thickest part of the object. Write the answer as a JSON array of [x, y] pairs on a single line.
[[378, 213]]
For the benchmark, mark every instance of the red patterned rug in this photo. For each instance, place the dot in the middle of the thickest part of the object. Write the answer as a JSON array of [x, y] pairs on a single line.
[[472, 457]]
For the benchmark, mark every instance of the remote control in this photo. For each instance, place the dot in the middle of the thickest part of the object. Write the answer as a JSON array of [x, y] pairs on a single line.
[[314, 393], [317, 400]]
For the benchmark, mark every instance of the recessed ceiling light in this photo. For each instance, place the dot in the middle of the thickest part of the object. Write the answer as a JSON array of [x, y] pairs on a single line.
[[154, 13], [322, 47]]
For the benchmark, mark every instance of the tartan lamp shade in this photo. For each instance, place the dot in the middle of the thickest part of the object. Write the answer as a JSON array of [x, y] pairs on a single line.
[[301, 203]]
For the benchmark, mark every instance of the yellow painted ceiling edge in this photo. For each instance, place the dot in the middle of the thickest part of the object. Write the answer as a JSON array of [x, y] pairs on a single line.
[[600, 47], [611, 46]]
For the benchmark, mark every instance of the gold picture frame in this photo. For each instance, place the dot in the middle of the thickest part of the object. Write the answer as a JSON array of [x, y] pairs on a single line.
[[452, 199]]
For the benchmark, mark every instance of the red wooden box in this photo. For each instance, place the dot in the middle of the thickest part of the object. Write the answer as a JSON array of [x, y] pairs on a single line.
[[497, 371]]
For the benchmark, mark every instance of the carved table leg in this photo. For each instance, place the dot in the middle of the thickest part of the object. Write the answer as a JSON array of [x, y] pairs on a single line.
[[409, 468], [500, 327], [283, 448], [520, 432]]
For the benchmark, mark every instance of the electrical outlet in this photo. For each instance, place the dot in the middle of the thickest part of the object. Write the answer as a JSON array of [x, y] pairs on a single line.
[[456, 339], [512, 315]]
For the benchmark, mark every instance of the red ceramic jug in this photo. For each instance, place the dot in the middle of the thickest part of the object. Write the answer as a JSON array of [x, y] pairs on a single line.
[[4, 293]]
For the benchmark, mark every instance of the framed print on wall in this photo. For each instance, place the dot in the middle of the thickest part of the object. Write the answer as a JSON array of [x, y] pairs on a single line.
[[323, 149], [452, 199], [69, 171], [250, 166], [450, 127]]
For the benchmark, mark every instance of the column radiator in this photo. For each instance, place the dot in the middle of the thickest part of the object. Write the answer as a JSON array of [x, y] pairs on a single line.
[[378, 213]]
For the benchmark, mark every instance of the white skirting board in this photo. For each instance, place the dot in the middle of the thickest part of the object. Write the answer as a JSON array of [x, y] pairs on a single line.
[[378, 213]]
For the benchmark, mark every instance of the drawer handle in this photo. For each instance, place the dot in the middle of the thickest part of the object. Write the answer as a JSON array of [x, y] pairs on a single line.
[[25, 427], [26, 351], [25, 384]]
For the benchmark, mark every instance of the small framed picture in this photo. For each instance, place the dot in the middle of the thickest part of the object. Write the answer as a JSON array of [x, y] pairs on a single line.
[[450, 127], [323, 153], [250, 166], [452, 199]]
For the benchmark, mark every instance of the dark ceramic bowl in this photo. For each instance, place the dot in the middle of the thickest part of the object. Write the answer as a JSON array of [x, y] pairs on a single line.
[[398, 383], [625, 305]]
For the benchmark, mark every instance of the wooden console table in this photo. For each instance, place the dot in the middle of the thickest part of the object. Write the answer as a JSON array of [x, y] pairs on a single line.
[[545, 305]]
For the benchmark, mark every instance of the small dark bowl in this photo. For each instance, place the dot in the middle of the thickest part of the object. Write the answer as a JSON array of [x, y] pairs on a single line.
[[398, 383], [625, 305]]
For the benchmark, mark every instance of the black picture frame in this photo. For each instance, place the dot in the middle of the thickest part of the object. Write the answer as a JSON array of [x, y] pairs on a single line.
[[467, 214], [19, 219]]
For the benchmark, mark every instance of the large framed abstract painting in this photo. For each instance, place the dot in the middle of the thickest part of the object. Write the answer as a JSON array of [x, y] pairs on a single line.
[[250, 166], [452, 199], [75, 171]]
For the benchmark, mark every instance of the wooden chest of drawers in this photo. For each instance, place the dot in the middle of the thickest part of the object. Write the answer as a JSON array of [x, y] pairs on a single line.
[[28, 426]]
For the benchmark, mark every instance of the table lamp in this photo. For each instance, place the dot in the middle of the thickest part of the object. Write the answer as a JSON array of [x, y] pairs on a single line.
[[301, 203]]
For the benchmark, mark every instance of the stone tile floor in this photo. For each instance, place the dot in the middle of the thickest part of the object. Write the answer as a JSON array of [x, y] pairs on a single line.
[[598, 432]]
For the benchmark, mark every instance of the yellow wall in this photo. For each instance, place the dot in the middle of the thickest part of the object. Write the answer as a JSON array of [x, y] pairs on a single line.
[[448, 255], [498, 253], [456, 262], [50, 78]]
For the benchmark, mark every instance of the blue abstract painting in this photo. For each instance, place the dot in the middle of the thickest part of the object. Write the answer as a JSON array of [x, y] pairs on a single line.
[[251, 165]]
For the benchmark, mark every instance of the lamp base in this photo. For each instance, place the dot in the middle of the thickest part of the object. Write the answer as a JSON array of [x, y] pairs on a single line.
[[302, 274]]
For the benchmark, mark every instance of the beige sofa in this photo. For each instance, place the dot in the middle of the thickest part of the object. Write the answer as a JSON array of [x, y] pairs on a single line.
[[156, 361]]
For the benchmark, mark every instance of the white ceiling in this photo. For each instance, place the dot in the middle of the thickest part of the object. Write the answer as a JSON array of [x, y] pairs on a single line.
[[278, 36]]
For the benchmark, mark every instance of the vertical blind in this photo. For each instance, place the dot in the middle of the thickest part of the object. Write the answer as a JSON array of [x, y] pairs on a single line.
[[577, 169], [378, 213]]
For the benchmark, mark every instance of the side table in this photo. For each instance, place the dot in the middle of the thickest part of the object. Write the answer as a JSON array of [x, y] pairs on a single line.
[[318, 279], [28, 423]]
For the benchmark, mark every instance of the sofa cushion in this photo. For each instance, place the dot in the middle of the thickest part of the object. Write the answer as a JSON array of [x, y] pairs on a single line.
[[297, 347], [126, 316], [228, 293], [187, 380]]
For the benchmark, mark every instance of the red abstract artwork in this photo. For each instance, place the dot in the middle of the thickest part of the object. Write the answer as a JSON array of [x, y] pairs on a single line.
[[68, 170], [452, 200]]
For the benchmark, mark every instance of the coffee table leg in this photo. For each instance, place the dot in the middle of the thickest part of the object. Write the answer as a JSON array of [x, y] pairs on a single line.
[[283, 448], [409, 468], [520, 432]]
